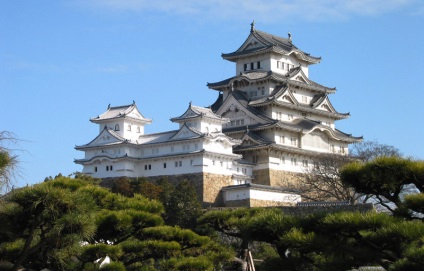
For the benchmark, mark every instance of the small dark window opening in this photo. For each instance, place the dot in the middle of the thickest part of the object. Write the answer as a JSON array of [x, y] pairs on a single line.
[[252, 66], [245, 67], [259, 64], [145, 167], [164, 165], [150, 167], [95, 169], [107, 168]]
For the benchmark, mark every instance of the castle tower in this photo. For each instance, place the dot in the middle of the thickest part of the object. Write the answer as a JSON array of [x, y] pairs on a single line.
[[284, 119]]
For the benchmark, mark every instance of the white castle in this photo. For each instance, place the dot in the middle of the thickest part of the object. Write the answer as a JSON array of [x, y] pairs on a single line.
[[268, 124]]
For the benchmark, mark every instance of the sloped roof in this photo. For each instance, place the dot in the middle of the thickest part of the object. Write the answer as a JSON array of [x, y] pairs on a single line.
[[259, 42], [255, 75], [241, 98], [114, 139], [193, 112], [114, 112], [312, 107], [300, 125]]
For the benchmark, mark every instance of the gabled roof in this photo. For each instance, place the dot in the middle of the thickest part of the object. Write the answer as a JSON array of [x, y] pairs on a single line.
[[239, 101], [255, 76], [300, 125], [106, 137], [124, 111], [187, 132], [259, 42], [194, 112], [318, 101]]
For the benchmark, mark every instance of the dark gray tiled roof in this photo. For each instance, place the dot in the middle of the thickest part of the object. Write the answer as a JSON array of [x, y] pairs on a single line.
[[270, 43], [114, 112], [195, 112], [256, 75], [108, 131]]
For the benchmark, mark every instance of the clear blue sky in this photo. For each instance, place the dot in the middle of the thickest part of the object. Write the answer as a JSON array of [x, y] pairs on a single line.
[[62, 62]]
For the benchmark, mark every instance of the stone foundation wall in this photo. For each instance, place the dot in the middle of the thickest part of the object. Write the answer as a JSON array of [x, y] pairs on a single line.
[[212, 185], [279, 178], [207, 186]]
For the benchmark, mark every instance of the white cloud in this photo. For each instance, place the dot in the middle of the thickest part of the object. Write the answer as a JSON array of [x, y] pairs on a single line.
[[271, 10]]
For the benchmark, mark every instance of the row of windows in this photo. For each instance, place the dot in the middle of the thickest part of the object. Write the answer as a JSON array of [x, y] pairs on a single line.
[[293, 140], [341, 149], [293, 161], [239, 122], [281, 116], [185, 147], [284, 66], [252, 66], [129, 128], [177, 164], [108, 168]]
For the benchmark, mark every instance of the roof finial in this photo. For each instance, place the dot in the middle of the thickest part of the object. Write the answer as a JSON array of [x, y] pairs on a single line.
[[108, 107], [252, 26], [133, 102], [290, 36], [189, 104]]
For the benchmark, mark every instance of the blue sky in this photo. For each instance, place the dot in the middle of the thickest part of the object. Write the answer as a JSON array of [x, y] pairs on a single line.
[[62, 62]]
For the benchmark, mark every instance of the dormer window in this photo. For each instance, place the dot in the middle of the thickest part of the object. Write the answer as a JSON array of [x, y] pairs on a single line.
[[117, 127]]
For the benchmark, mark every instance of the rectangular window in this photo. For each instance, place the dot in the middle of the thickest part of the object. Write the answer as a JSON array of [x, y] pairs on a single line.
[[255, 159], [282, 160], [150, 167], [107, 168], [252, 67], [245, 67], [282, 139], [293, 141], [111, 168], [253, 93], [95, 169], [258, 64], [289, 116], [176, 163], [293, 162], [180, 163], [304, 99], [164, 165], [145, 167], [305, 163]]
